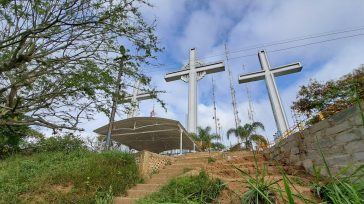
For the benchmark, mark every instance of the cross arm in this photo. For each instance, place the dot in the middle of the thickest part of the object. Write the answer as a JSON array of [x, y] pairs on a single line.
[[144, 96], [139, 97], [173, 76], [287, 69], [211, 67], [208, 68], [255, 76]]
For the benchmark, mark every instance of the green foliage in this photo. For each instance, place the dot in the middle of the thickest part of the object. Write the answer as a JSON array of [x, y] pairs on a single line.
[[192, 189], [204, 139], [59, 59], [104, 197], [330, 97], [66, 143], [78, 176], [12, 136], [359, 104], [261, 188], [247, 133], [345, 187], [264, 189], [211, 160]]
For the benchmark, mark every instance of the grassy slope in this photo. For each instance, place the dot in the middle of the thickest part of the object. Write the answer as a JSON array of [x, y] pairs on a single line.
[[58, 177]]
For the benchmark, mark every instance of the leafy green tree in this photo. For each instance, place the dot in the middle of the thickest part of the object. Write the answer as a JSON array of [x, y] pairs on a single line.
[[330, 97], [12, 136], [247, 133], [57, 58], [205, 139]]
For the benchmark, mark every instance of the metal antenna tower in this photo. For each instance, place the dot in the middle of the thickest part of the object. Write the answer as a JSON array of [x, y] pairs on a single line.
[[214, 100], [250, 102], [232, 90]]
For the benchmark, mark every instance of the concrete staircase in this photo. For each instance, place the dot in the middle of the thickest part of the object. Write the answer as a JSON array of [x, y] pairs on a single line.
[[224, 169], [181, 165], [236, 183]]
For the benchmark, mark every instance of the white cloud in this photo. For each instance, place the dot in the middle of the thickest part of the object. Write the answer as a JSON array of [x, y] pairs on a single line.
[[183, 25]]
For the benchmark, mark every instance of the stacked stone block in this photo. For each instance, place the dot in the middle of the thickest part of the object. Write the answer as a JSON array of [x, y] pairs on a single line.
[[340, 138]]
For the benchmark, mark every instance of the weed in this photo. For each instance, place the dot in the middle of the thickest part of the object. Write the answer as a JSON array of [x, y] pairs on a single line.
[[261, 188], [299, 181], [211, 160], [103, 197], [343, 187], [190, 189]]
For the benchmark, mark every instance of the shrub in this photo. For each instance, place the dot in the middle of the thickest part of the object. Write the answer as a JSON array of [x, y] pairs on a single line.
[[211, 160], [330, 97], [11, 137], [65, 143], [191, 189]]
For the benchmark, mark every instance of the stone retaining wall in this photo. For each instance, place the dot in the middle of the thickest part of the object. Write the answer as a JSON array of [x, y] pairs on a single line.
[[340, 137], [150, 163]]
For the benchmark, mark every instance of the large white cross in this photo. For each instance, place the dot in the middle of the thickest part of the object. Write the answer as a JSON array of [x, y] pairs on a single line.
[[135, 98], [268, 74], [191, 73]]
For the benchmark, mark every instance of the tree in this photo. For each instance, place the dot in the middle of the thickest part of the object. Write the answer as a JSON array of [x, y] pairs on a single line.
[[247, 133], [330, 97], [58, 58], [205, 139]]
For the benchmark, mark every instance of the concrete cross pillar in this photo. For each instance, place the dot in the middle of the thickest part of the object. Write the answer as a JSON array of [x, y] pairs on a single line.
[[191, 73], [269, 75]]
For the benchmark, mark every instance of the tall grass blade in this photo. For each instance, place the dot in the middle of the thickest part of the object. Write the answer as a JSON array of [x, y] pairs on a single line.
[[323, 158], [288, 190]]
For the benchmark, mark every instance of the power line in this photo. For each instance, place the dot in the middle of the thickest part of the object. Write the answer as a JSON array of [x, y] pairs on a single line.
[[290, 40], [302, 45], [277, 50]]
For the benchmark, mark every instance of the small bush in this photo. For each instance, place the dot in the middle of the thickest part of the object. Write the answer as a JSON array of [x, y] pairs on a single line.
[[192, 189], [211, 160], [65, 143]]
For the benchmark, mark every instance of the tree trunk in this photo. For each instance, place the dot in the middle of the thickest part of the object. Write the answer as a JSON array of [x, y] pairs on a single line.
[[114, 107]]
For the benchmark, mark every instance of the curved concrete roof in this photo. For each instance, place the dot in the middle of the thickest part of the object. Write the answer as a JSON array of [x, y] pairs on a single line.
[[149, 133]]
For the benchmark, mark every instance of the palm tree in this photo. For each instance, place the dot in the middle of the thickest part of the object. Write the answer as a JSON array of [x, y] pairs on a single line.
[[247, 133], [204, 139]]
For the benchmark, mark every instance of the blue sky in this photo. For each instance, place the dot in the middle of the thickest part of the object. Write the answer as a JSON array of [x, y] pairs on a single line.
[[208, 24]]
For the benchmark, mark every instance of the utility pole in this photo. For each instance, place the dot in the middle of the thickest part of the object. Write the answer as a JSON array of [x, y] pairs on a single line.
[[114, 106]]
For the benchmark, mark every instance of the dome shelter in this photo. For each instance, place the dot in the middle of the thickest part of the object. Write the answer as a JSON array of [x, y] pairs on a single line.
[[150, 133]]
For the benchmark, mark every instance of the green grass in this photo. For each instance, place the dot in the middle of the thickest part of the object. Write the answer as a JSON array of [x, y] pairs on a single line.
[[345, 187], [190, 189], [78, 176]]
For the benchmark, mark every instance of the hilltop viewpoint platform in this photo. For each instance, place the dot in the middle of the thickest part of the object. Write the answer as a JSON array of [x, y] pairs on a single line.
[[150, 133]]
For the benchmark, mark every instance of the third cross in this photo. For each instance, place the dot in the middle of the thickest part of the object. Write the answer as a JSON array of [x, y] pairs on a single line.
[[191, 73]]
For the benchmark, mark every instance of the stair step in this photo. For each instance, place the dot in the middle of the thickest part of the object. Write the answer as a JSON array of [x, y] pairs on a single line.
[[160, 181], [167, 175], [150, 187], [138, 193], [124, 200]]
